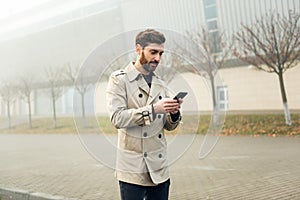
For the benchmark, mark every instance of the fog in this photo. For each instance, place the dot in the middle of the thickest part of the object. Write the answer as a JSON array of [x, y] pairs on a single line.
[[55, 33]]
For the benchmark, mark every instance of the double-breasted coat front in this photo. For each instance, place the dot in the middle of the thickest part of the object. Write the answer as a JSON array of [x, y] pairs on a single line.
[[142, 146]]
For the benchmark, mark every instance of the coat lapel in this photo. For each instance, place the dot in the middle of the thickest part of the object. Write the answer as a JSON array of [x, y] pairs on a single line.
[[143, 85], [135, 76], [155, 90]]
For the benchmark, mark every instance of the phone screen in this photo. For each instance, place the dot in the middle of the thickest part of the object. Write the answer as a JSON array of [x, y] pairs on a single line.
[[180, 95]]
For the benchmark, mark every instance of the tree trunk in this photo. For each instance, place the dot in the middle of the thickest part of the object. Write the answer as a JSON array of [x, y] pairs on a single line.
[[284, 100], [29, 112], [287, 114], [8, 114], [82, 105], [84, 121], [54, 112], [214, 100]]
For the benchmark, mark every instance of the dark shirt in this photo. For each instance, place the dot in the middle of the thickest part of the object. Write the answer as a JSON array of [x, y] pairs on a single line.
[[148, 79]]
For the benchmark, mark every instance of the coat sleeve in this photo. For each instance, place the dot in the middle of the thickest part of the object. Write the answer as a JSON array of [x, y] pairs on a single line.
[[170, 124], [120, 115]]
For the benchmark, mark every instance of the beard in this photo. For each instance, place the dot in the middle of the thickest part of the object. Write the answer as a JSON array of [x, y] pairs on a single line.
[[149, 66]]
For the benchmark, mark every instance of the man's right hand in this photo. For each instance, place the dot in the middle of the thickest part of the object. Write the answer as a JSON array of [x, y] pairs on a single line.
[[167, 105]]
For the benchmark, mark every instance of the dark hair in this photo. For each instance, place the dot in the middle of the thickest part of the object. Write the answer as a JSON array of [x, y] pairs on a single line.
[[149, 36]]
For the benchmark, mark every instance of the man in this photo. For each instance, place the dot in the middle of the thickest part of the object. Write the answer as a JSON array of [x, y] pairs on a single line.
[[140, 108]]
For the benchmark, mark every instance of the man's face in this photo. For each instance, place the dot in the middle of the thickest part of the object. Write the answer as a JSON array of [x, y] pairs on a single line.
[[151, 55]]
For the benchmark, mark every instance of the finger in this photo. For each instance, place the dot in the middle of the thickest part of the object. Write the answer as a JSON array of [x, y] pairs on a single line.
[[171, 104], [171, 101], [180, 101]]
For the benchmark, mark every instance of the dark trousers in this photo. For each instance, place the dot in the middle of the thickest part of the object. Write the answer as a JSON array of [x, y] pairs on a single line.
[[137, 192]]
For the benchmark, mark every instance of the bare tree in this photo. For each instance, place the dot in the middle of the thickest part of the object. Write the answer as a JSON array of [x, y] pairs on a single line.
[[8, 95], [54, 80], [272, 45], [81, 84], [170, 66], [26, 88], [213, 50], [118, 64]]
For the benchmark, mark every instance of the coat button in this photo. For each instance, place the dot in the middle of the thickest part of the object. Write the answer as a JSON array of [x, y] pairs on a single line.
[[145, 154], [160, 155], [158, 116], [159, 135], [160, 97], [145, 134], [140, 95]]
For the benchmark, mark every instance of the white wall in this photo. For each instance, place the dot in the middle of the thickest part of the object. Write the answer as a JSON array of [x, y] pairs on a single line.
[[73, 41]]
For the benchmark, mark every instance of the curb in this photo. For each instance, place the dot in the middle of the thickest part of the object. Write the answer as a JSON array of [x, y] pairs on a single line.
[[16, 194]]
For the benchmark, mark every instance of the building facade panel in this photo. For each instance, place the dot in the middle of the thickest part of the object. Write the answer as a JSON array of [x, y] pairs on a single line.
[[176, 15], [251, 89], [233, 13], [73, 40]]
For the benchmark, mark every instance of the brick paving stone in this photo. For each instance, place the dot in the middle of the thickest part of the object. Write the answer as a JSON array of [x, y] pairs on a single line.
[[240, 167]]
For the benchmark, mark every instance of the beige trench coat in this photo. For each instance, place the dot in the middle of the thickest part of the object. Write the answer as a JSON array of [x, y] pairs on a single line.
[[142, 146]]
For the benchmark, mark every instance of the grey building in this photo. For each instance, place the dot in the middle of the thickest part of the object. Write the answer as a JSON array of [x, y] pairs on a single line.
[[56, 33]]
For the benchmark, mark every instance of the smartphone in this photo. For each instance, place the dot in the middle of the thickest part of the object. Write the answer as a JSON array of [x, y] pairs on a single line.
[[180, 95]]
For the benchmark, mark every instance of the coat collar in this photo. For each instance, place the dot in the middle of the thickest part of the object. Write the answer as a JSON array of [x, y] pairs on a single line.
[[156, 85], [133, 73]]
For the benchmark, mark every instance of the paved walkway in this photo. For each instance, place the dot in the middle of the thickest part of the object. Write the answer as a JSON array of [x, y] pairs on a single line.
[[240, 167]]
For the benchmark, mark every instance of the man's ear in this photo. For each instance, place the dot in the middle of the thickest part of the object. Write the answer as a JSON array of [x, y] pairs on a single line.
[[138, 49]]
